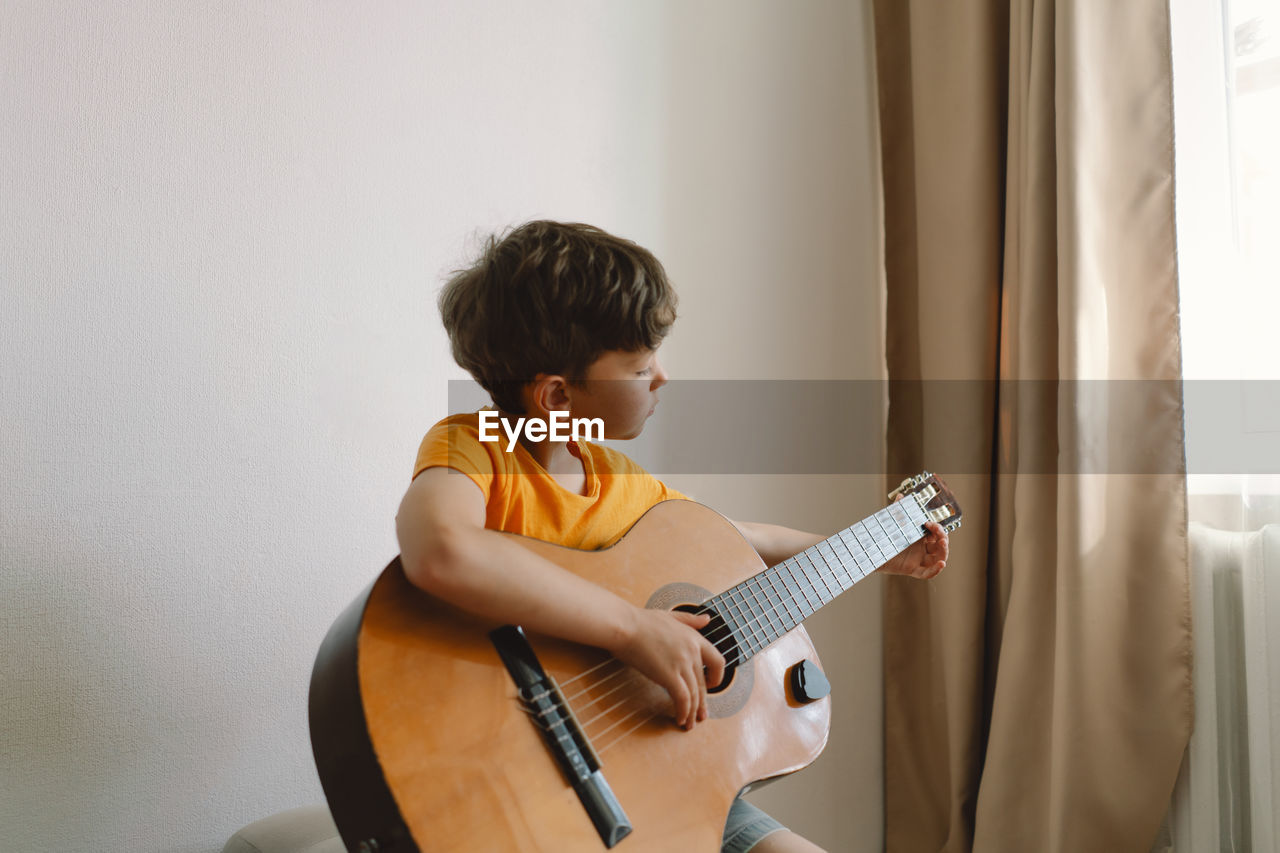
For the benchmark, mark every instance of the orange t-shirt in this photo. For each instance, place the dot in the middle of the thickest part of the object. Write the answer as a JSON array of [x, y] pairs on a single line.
[[521, 497]]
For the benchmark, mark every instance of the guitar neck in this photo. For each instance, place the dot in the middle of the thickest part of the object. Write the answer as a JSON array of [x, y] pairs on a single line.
[[764, 607]]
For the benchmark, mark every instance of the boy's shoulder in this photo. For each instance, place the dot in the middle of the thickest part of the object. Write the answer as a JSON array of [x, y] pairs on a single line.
[[464, 421], [608, 460]]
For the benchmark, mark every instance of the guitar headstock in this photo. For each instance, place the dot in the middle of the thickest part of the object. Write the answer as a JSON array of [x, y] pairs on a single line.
[[934, 498]]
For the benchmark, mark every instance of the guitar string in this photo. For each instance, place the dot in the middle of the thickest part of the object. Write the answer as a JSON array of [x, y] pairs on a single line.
[[747, 582], [714, 642], [595, 684], [604, 662], [568, 700], [600, 749], [559, 701], [755, 596], [714, 638], [747, 626]]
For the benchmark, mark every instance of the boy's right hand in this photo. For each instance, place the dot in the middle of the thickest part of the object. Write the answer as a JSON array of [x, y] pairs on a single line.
[[666, 647]]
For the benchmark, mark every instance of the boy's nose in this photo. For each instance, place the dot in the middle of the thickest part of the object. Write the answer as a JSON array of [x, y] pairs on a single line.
[[659, 376]]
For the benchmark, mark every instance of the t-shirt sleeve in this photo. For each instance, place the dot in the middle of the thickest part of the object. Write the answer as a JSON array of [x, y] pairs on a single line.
[[456, 446]]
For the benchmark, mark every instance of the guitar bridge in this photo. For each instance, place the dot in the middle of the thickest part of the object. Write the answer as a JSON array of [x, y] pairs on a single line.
[[542, 698]]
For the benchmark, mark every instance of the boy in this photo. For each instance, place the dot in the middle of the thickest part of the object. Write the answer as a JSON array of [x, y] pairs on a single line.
[[568, 318]]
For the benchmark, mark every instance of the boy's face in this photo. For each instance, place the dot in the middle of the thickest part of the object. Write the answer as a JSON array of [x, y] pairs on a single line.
[[621, 388]]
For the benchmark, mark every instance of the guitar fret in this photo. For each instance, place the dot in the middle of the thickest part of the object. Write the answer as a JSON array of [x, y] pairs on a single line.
[[892, 533], [826, 570], [839, 570], [885, 542], [868, 543], [881, 536], [900, 541], [741, 624], [806, 586], [809, 573], [726, 610], [817, 570], [766, 611], [909, 531], [844, 575], [857, 558], [784, 598], [848, 561], [777, 620], [821, 569], [763, 619], [758, 633], [789, 582], [902, 523], [900, 516], [863, 539], [768, 605], [828, 552], [764, 607], [736, 619], [917, 514], [799, 598]]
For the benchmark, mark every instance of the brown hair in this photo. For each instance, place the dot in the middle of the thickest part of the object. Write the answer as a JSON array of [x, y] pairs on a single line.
[[551, 297]]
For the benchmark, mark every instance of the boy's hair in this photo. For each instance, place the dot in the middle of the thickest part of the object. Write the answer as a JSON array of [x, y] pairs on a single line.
[[551, 297]]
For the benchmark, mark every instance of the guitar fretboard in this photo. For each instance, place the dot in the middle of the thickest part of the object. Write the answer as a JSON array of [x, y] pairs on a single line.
[[764, 607]]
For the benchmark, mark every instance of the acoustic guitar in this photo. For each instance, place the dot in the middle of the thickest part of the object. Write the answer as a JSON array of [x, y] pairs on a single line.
[[435, 731]]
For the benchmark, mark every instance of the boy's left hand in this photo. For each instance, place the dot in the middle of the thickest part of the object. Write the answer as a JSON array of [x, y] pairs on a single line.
[[924, 558]]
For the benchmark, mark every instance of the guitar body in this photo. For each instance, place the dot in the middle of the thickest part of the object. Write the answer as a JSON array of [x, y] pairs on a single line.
[[422, 743]]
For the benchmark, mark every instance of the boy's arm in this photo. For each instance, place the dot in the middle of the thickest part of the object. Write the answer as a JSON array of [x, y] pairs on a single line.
[[924, 559], [775, 543], [446, 550]]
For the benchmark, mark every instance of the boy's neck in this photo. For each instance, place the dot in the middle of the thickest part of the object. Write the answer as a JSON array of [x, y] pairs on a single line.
[[558, 458], [560, 462]]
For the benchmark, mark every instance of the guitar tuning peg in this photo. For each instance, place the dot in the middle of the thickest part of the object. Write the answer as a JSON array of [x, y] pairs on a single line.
[[901, 490], [907, 485]]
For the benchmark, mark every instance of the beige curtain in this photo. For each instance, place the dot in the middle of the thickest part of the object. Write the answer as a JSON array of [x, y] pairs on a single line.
[[1038, 692]]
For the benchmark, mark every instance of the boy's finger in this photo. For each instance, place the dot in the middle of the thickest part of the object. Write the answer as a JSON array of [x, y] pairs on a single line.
[[680, 701], [693, 620], [713, 662], [695, 700]]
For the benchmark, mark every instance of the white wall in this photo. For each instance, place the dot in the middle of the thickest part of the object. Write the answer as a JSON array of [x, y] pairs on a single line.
[[224, 226]]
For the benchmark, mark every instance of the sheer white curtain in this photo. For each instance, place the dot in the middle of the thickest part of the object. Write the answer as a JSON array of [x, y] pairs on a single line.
[[1227, 107]]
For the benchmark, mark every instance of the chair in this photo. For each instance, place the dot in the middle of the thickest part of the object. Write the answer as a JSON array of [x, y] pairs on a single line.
[[306, 830]]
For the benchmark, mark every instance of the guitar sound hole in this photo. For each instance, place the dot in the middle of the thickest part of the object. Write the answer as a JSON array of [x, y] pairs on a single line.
[[723, 638]]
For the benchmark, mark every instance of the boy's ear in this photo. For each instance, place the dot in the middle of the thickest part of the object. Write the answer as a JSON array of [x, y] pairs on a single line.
[[550, 393]]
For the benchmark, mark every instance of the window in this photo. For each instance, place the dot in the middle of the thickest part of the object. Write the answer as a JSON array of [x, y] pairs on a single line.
[[1227, 131]]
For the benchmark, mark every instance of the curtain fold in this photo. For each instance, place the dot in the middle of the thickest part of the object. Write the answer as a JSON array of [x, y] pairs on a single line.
[[1037, 694], [1228, 793]]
